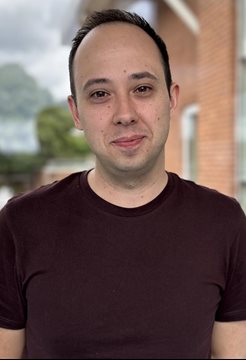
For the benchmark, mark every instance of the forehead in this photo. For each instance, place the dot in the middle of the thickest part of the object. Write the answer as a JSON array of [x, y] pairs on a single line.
[[117, 40], [117, 31]]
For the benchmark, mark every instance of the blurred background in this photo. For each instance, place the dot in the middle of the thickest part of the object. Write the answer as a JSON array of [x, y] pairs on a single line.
[[206, 40]]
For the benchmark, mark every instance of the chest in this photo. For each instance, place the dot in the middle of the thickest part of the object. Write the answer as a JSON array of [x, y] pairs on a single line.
[[129, 282]]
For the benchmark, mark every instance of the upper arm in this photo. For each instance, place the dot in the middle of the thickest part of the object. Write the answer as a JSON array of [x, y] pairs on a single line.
[[229, 340], [12, 343]]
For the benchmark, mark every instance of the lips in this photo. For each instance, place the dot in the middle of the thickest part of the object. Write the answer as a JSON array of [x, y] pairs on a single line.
[[130, 141]]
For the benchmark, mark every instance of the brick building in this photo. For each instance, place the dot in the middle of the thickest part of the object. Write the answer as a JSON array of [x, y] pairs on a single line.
[[206, 40]]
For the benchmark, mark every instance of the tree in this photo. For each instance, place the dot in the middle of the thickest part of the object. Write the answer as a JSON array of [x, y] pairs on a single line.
[[19, 164], [56, 135], [21, 98], [20, 94], [17, 170]]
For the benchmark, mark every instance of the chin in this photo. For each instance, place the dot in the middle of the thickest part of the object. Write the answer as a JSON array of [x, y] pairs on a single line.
[[132, 168]]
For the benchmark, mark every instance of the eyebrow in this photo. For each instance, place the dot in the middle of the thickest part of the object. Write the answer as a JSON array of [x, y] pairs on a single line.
[[92, 82], [143, 75], [135, 76]]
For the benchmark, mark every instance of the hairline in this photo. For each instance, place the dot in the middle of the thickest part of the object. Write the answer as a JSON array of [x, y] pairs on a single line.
[[114, 23], [166, 66]]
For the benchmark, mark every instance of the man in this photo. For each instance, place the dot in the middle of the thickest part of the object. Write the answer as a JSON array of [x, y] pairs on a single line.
[[126, 260]]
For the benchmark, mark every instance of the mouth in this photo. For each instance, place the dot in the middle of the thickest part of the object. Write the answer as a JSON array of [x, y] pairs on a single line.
[[129, 142]]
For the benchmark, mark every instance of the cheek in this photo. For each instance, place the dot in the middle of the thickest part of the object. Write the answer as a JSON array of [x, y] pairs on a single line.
[[94, 126], [93, 131], [163, 114], [96, 119], [162, 122], [160, 116], [158, 111], [91, 121]]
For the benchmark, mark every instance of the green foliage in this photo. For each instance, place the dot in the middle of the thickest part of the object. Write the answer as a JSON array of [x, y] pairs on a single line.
[[20, 94], [19, 164], [55, 133], [21, 98], [17, 170]]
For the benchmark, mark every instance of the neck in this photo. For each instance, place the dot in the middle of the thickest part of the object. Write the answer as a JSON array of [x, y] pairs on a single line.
[[129, 190]]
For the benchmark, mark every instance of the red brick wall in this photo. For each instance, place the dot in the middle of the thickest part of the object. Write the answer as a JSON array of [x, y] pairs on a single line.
[[216, 89], [182, 48], [204, 66]]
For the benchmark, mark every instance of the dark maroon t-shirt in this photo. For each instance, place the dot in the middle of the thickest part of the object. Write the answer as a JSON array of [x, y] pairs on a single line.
[[88, 279]]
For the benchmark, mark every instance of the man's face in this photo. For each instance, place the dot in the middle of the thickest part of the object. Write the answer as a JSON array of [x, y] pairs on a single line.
[[123, 104]]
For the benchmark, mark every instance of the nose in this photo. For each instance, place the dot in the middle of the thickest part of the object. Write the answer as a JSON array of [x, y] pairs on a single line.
[[125, 113]]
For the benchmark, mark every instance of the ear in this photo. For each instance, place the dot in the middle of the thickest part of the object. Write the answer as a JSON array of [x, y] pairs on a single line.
[[74, 111], [174, 96]]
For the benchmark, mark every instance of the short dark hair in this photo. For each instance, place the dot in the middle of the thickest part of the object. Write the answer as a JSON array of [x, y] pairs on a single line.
[[98, 18]]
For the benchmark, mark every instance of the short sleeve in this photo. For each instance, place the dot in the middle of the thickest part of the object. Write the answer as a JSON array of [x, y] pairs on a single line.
[[233, 303], [12, 306]]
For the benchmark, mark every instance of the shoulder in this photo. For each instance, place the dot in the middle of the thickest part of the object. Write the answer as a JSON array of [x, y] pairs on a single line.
[[204, 200], [49, 195]]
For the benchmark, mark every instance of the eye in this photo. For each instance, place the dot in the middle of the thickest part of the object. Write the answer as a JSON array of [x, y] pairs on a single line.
[[99, 94], [143, 89]]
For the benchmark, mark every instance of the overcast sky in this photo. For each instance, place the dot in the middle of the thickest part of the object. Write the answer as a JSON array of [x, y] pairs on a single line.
[[30, 33]]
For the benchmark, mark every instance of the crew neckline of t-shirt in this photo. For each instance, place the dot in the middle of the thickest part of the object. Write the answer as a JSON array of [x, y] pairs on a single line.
[[107, 207]]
